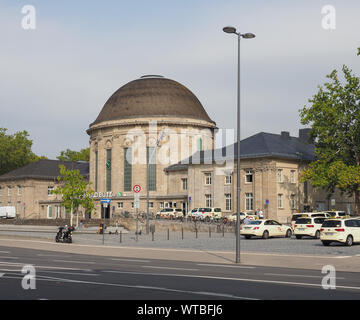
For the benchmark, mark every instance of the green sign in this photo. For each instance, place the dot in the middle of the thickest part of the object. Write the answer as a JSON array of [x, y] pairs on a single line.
[[108, 164], [119, 194]]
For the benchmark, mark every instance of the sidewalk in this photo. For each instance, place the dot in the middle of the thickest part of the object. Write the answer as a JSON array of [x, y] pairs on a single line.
[[341, 263]]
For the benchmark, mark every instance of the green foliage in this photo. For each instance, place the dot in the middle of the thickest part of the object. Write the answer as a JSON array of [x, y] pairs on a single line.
[[74, 190], [334, 116], [70, 155], [15, 151]]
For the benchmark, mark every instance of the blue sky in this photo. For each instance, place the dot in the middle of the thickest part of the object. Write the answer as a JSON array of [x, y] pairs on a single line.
[[54, 80]]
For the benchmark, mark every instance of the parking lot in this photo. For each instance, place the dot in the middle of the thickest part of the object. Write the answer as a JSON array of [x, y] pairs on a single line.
[[204, 241]]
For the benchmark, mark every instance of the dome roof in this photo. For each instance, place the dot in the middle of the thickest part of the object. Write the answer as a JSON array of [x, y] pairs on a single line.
[[152, 96]]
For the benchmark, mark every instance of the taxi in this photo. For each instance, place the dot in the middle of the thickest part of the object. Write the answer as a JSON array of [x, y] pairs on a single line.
[[337, 214], [296, 216], [170, 213], [308, 227], [346, 231], [265, 228]]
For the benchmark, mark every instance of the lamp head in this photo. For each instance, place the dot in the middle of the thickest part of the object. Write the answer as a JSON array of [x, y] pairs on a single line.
[[229, 29], [248, 35]]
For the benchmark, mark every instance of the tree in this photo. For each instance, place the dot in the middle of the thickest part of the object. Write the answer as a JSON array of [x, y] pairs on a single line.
[[70, 155], [15, 151], [334, 116], [75, 191]]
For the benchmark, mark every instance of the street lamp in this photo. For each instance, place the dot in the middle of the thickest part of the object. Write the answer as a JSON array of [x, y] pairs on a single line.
[[161, 136], [230, 29]]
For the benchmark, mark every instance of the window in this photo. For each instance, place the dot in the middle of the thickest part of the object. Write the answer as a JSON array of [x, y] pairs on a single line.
[[207, 178], [292, 176], [50, 188], [184, 184], [305, 192], [19, 191], [96, 170], [292, 201], [228, 179], [161, 205], [228, 203], [108, 170], [151, 160], [208, 201], [280, 201], [120, 205], [249, 201], [127, 169], [58, 212], [1, 191], [9, 191], [249, 176], [49, 212], [279, 175], [151, 205], [199, 145], [132, 205]]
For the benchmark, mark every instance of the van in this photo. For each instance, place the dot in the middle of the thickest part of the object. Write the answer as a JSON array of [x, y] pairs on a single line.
[[7, 212]]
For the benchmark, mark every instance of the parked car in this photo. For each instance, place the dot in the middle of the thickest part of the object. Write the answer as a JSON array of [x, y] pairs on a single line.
[[296, 216], [170, 213], [345, 231], [308, 227], [337, 214], [193, 213], [7, 212], [265, 228]]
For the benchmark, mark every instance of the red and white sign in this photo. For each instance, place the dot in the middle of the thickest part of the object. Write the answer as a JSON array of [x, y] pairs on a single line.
[[137, 188]]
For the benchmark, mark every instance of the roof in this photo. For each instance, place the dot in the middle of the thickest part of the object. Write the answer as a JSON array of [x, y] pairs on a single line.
[[152, 96], [45, 169], [260, 145]]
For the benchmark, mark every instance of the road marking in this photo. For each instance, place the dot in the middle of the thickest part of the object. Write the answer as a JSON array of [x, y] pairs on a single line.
[[8, 257], [1, 274], [296, 255], [224, 265], [4, 251], [130, 260], [296, 275], [231, 279], [169, 268], [85, 262], [216, 294], [14, 264], [72, 273], [48, 255]]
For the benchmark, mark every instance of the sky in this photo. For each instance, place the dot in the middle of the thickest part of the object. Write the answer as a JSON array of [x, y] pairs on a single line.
[[55, 79]]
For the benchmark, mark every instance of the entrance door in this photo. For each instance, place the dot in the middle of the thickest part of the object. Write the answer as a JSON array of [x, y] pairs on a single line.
[[105, 212]]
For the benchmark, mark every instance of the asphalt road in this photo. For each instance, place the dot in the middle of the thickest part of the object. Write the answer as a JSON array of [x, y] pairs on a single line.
[[61, 275]]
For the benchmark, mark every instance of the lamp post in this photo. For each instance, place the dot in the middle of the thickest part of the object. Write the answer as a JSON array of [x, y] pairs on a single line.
[[161, 136], [245, 36]]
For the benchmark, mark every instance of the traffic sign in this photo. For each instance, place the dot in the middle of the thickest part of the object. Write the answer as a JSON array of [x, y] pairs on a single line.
[[137, 188], [137, 201], [105, 200], [267, 202]]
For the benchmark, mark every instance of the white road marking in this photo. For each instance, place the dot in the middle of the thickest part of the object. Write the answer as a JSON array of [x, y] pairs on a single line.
[[85, 262], [8, 257], [14, 264], [72, 273], [297, 275], [4, 251], [224, 265], [1, 274], [48, 255], [216, 294], [169, 268], [231, 279], [296, 255], [130, 260]]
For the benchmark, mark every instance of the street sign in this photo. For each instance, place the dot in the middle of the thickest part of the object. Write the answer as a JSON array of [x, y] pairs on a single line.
[[137, 188], [189, 199], [267, 202], [137, 201], [119, 194], [103, 200]]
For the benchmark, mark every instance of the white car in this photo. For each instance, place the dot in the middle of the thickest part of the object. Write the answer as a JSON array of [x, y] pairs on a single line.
[[308, 227], [265, 229], [170, 213], [337, 214], [243, 215], [193, 213], [296, 216], [345, 231]]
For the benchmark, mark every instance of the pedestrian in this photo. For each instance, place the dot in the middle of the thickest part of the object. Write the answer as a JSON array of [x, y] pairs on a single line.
[[246, 220], [261, 214]]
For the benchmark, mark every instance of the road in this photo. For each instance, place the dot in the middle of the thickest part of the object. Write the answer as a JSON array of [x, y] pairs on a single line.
[[64, 275]]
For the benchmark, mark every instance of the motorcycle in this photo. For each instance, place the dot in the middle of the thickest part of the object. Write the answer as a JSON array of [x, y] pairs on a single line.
[[64, 234]]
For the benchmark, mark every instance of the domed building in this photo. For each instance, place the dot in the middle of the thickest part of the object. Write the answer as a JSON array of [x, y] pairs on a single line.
[[144, 127]]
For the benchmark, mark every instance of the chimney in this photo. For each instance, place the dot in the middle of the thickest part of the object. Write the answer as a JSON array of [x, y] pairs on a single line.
[[285, 135], [304, 135]]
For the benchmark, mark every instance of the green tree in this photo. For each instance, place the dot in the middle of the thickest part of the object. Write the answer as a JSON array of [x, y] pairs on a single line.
[[70, 155], [75, 192], [334, 116], [15, 150]]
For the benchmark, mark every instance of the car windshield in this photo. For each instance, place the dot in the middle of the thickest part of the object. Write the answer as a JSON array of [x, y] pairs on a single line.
[[303, 221], [205, 209], [332, 224], [217, 210], [194, 210], [331, 213], [256, 222], [341, 214]]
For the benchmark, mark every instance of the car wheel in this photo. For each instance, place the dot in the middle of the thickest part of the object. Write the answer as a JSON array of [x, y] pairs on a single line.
[[288, 233], [265, 235], [349, 241], [325, 243], [298, 237], [247, 237], [317, 235], [207, 219]]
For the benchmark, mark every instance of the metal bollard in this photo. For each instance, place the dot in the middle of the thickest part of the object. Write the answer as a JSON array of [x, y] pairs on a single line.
[[196, 233], [120, 236], [223, 231], [209, 232], [182, 233], [168, 234], [152, 236]]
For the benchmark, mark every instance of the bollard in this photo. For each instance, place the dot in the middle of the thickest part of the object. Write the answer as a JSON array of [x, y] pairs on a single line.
[[168, 234], [182, 233], [152, 233], [120, 236], [196, 232], [209, 232], [223, 231]]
